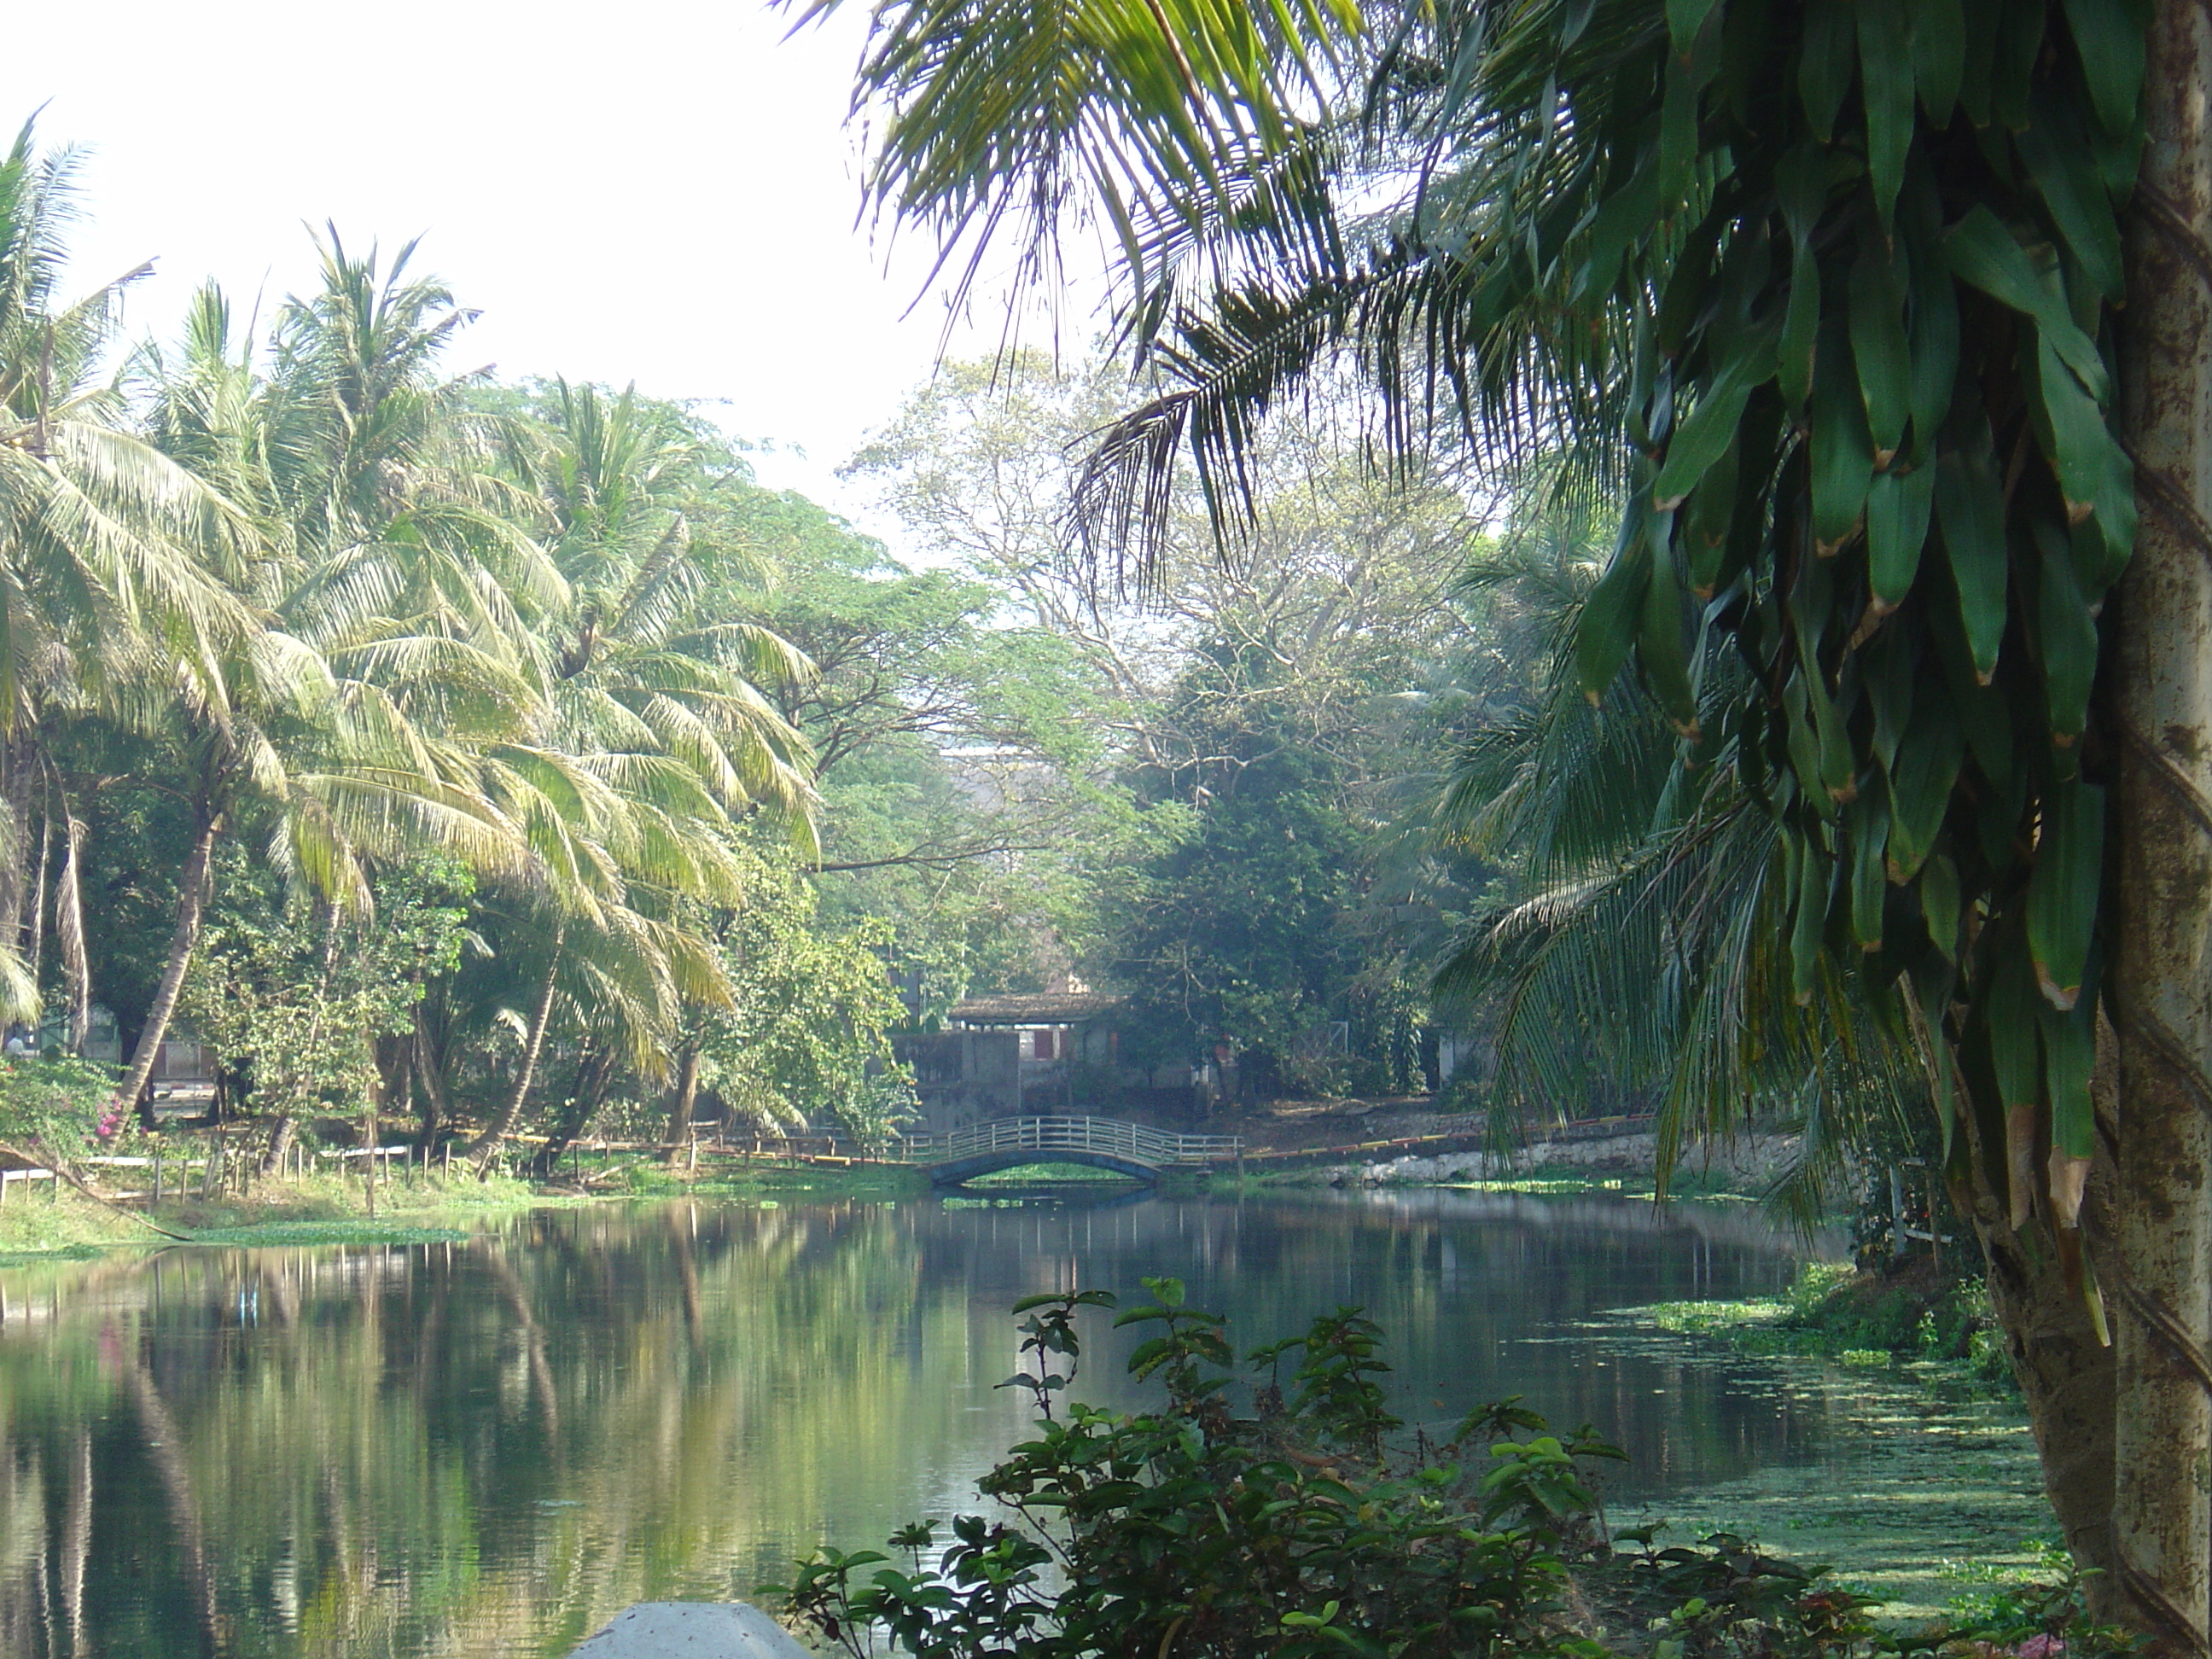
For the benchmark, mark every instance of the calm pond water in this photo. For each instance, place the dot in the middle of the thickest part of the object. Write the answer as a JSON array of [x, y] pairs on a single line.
[[486, 1448]]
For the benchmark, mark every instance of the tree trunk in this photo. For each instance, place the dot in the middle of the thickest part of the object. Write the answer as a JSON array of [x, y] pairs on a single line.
[[281, 1134], [595, 1070], [435, 1114], [68, 928], [192, 905], [486, 1146], [2064, 1371], [14, 838], [166, 1447], [370, 1140], [392, 1057], [686, 1097], [34, 945], [76, 1542], [399, 1092], [2162, 981]]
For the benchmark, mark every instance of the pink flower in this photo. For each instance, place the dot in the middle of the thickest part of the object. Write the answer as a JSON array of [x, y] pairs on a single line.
[[2041, 1647]]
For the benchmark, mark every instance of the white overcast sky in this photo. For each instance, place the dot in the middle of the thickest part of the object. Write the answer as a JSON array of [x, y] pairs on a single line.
[[661, 191]]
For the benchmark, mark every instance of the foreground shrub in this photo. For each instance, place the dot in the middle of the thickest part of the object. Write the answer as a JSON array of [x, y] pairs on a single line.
[[1299, 1527]]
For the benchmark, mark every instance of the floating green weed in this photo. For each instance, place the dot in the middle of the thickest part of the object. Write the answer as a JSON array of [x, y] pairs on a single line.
[[326, 1232]]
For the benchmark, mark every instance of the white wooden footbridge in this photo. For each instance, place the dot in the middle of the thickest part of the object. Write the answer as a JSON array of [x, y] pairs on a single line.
[[1098, 1143]]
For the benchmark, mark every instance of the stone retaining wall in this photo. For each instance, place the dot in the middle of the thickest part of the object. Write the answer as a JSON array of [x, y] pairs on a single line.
[[1750, 1161]]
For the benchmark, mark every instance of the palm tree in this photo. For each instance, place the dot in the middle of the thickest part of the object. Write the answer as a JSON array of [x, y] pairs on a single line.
[[1825, 295], [619, 843], [645, 657], [578, 747], [659, 692], [1637, 948], [113, 556], [353, 733]]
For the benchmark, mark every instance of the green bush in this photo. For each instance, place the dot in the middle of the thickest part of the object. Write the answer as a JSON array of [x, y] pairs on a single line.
[[1297, 1529], [1462, 1094], [52, 1104]]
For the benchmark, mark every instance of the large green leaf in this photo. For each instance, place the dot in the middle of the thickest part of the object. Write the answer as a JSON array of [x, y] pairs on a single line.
[[2063, 892], [1939, 55], [2069, 1061], [2109, 35], [1809, 920], [1709, 430], [1825, 66], [1897, 528], [1987, 256], [1606, 630], [1920, 785], [1939, 905], [1659, 644], [1879, 348], [1868, 825], [2059, 161], [1970, 507], [1842, 449], [2066, 634], [1885, 85]]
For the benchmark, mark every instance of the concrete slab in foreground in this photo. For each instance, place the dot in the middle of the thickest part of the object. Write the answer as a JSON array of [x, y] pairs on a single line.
[[691, 1630]]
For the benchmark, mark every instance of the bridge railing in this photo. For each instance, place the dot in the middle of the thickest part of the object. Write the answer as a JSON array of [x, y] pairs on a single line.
[[1109, 1136]]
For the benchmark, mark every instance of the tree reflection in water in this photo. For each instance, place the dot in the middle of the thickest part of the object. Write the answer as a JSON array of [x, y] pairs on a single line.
[[487, 1448]]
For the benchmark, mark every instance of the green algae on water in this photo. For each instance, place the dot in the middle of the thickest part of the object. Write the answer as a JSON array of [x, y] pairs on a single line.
[[326, 1232], [1936, 1492]]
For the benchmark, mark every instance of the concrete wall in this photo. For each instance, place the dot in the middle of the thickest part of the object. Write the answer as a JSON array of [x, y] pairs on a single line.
[[962, 1077], [1751, 1160]]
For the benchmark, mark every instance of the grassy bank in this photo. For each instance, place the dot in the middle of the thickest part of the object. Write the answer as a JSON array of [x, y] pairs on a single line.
[[37, 1219], [41, 1219], [1913, 1315], [768, 1180]]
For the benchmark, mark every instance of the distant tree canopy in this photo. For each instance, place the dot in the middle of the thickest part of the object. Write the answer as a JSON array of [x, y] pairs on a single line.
[[1251, 741]]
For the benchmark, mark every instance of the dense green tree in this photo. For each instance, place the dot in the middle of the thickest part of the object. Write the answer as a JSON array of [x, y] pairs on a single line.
[[298, 998], [803, 1034], [1229, 927], [1243, 725]]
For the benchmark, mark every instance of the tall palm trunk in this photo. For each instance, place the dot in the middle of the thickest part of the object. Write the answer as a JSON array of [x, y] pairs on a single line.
[[69, 927], [16, 771], [191, 907], [34, 926], [486, 1146], [2161, 1520], [398, 1098], [686, 1097], [429, 1068]]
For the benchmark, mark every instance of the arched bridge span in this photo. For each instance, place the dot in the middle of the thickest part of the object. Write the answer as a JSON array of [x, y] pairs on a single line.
[[1097, 1143]]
